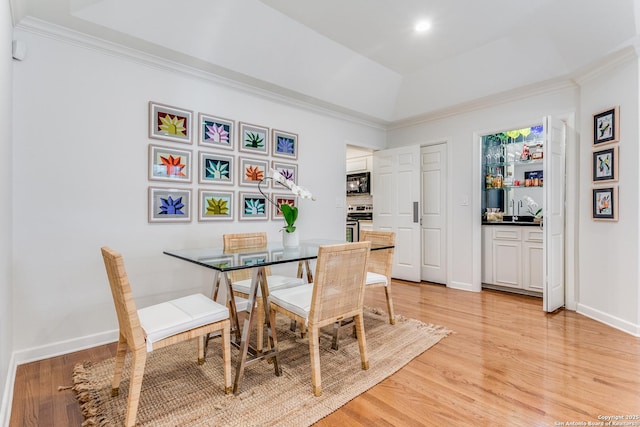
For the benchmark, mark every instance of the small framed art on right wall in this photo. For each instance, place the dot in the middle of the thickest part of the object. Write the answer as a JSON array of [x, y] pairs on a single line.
[[606, 126], [605, 203]]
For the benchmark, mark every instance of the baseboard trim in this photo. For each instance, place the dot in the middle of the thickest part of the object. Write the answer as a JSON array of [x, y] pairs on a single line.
[[45, 352], [64, 347], [7, 395], [463, 286], [607, 319]]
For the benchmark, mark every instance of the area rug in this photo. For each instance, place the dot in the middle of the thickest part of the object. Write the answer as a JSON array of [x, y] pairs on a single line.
[[178, 392]]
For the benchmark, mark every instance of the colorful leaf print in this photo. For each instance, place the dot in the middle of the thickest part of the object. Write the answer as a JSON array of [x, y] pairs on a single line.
[[173, 165], [254, 206], [285, 145], [216, 133], [217, 206], [253, 140], [172, 125], [253, 173], [217, 169], [170, 206]]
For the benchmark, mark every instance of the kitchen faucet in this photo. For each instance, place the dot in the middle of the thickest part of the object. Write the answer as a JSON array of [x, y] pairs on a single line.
[[514, 215]]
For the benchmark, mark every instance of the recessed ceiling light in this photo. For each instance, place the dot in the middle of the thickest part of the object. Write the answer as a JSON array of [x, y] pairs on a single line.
[[422, 26]]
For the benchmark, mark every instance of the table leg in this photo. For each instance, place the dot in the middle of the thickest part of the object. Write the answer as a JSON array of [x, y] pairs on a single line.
[[257, 280], [226, 298]]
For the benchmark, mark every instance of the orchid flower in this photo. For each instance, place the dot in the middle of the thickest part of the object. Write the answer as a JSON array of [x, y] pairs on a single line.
[[290, 213]]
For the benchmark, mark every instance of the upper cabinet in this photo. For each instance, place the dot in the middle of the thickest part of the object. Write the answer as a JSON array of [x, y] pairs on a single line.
[[360, 164], [513, 171]]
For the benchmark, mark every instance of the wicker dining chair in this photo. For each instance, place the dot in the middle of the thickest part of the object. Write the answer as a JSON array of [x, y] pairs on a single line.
[[160, 325], [380, 265], [241, 279], [337, 293], [378, 274]]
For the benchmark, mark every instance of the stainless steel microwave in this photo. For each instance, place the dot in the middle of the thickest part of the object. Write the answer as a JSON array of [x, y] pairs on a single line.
[[359, 183]]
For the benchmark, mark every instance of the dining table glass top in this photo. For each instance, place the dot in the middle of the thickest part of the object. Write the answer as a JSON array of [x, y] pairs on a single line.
[[271, 254]]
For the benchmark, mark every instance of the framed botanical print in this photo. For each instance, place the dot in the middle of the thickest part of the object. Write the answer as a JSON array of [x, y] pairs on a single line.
[[285, 144], [605, 165], [252, 171], [606, 126], [289, 199], [605, 203], [253, 139], [216, 169], [253, 206], [215, 131], [215, 205], [287, 170], [169, 164], [169, 204], [170, 123]]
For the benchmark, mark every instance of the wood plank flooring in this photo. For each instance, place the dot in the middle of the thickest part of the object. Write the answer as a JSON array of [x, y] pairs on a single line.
[[507, 363]]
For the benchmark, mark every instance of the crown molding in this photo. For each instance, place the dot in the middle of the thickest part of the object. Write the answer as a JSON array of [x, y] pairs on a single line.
[[202, 70], [517, 94], [607, 64]]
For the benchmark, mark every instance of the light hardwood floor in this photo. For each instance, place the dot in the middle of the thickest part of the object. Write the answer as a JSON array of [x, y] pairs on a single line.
[[507, 363]]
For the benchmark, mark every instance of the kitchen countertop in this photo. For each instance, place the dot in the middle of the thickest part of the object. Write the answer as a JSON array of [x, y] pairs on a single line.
[[506, 220]]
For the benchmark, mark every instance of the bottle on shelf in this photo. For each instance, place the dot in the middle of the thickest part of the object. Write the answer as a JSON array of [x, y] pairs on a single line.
[[498, 179], [488, 180]]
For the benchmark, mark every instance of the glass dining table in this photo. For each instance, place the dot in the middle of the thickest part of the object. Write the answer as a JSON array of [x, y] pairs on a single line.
[[222, 262]]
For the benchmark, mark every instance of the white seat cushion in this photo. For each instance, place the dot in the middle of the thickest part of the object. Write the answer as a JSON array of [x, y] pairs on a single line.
[[169, 318], [241, 303], [375, 278], [274, 282], [296, 300]]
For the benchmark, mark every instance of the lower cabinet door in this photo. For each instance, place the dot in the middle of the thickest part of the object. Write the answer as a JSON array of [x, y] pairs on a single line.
[[532, 274], [507, 261]]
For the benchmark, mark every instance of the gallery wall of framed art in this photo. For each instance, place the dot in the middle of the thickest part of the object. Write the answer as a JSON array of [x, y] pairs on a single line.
[[604, 166], [230, 159]]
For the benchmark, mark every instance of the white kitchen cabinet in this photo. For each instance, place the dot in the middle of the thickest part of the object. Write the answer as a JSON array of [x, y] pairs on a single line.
[[512, 257], [507, 256], [532, 254], [487, 254], [360, 164]]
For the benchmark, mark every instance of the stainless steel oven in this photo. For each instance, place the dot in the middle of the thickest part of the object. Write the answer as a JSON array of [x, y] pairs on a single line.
[[353, 232]]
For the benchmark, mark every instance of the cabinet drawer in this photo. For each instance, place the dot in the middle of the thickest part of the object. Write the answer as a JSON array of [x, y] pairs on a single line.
[[506, 233], [533, 235]]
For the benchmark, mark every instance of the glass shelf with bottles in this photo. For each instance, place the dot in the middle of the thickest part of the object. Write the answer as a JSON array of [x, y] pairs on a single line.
[[508, 155]]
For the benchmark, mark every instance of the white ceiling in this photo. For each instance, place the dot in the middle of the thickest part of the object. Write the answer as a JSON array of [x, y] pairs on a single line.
[[360, 56]]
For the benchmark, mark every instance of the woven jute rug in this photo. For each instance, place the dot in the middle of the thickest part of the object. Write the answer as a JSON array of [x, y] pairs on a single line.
[[178, 392]]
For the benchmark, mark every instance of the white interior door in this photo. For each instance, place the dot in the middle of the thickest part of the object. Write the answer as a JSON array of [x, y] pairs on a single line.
[[554, 185], [396, 196], [433, 218]]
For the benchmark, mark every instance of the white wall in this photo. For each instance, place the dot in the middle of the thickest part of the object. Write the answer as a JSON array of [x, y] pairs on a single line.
[[6, 312], [81, 155], [460, 130], [609, 280], [601, 258]]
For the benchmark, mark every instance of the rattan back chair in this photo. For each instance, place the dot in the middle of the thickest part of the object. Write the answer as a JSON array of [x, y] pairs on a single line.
[[160, 325], [337, 293], [380, 264], [241, 279]]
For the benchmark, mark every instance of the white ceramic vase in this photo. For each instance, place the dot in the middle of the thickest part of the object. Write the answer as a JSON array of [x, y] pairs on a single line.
[[290, 240]]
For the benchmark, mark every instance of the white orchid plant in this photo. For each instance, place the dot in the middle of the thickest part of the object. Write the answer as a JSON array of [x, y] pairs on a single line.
[[532, 206], [290, 213]]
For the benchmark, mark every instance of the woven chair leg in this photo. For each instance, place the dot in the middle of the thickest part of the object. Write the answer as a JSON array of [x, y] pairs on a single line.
[[314, 355], [135, 385], [226, 357], [121, 352], [362, 341], [392, 317]]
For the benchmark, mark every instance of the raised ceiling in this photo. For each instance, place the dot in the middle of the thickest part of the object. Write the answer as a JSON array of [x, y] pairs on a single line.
[[360, 56]]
